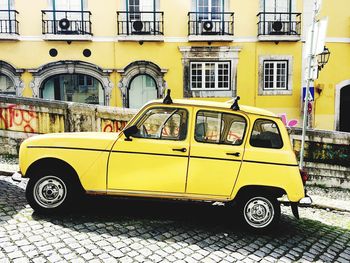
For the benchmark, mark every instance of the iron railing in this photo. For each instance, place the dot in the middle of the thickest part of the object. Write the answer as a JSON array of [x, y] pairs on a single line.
[[210, 23], [66, 22], [283, 23], [140, 23], [8, 22]]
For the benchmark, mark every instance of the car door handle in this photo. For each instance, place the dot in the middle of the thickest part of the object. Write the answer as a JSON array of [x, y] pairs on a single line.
[[237, 154], [180, 150]]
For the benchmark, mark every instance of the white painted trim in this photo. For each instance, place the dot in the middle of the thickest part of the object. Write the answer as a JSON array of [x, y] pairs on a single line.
[[105, 39], [176, 39], [67, 37], [210, 38], [338, 39], [143, 38], [169, 39], [31, 38], [338, 88], [281, 38], [5, 36]]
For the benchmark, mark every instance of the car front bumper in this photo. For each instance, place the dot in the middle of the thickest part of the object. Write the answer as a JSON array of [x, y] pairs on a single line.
[[17, 176]]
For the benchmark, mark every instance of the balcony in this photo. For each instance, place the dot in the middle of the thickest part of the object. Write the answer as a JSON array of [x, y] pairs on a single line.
[[140, 26], [66, 25], [8, 25], [210, 26], [279, 26]]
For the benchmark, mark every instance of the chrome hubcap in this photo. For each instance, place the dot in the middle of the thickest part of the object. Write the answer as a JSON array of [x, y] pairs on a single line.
[[258, 212], [50, 191]]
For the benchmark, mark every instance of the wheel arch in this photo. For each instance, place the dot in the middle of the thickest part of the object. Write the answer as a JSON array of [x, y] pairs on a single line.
[[53, 164], [260, 189]]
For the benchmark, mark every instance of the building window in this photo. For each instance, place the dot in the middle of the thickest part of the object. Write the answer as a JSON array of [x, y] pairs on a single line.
[[8, 21], [210, 9], [7, 87], [275, 75], [210, 75], [74, 87]]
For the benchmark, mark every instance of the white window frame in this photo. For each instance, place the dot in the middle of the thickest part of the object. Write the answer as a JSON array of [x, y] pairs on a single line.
[[275, 64], [216, 80], [289, 74]]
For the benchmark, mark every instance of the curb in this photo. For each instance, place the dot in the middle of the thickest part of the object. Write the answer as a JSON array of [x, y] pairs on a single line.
[[6, 173]]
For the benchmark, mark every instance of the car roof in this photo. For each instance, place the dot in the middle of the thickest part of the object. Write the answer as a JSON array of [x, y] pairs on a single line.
[[222, 105]]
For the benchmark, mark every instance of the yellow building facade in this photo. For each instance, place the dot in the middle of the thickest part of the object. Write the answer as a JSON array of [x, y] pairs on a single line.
[[126, 52]]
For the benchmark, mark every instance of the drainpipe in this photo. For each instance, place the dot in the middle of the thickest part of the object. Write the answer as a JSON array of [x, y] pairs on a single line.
[[54, 16]]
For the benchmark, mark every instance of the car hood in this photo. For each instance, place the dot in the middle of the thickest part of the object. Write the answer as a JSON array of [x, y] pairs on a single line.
[[88, 140]]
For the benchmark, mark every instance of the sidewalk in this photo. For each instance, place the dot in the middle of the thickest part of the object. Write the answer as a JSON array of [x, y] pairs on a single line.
[[324, 198]]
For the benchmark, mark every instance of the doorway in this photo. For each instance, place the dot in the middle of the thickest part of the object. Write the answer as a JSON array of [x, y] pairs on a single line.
[[344, 118], [142, 89]]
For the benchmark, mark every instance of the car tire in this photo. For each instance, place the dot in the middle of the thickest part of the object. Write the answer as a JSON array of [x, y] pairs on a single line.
[[259, 212], [51, 193]]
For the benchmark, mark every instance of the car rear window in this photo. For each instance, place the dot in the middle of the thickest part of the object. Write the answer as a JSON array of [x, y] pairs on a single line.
[[266, 134]]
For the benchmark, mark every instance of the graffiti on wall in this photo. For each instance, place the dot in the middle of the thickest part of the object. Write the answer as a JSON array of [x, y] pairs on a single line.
[[112, 125], [288, 123], [328, 153], [17, 119]]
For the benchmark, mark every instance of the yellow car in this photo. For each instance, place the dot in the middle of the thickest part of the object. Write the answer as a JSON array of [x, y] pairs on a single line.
[[181, 149]]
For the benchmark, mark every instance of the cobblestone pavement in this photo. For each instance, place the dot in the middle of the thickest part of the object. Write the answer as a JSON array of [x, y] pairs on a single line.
[[109, 230]]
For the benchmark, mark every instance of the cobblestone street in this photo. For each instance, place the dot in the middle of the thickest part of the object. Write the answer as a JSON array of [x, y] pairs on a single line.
[[109, 230]]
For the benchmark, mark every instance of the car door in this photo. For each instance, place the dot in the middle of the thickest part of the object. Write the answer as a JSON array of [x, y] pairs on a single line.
[[217, 148], [155, 159]]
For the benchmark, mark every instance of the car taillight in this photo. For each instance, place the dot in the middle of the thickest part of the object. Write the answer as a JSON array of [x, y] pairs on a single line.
[[304, 176]]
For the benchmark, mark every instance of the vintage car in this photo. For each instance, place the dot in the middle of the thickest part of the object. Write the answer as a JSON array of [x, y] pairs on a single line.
[[181, 149]]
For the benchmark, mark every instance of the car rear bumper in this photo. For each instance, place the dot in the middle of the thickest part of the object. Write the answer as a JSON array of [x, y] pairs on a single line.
[[304, 202]]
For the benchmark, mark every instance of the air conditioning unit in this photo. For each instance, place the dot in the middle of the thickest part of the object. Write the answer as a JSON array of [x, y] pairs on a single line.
[[277, 28], [207, 27], [137, 27], [64, 24]]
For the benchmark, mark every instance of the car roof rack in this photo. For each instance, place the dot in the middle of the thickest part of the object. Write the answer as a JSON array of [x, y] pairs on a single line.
[[235, 105], [167, 99]]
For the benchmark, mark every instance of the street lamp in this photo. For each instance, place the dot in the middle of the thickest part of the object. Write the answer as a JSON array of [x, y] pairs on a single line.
[[322, 59]]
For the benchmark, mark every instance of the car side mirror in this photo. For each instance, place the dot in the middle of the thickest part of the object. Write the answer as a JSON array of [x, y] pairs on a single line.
[[130, 131]]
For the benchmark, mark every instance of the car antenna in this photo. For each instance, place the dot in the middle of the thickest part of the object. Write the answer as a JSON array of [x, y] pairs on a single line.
[[167, 99], [235, 105]]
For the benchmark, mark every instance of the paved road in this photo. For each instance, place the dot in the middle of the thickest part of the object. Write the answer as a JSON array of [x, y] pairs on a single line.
[[105, 230]]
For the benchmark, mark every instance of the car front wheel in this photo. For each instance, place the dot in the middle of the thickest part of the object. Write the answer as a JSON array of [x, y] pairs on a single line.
[[260, 212], [49, 193]]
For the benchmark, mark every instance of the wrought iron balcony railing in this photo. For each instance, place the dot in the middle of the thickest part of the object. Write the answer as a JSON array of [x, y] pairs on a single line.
[[66, 22], [210, 23], [140, 23], [8, 22], [271, 23]]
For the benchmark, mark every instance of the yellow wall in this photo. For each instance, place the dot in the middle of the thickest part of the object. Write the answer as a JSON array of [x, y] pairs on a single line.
[[31, 51]]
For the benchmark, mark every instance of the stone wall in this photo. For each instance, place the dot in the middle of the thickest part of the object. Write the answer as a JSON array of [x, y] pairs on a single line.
[[327, 156], [327, 153], [21, 118]]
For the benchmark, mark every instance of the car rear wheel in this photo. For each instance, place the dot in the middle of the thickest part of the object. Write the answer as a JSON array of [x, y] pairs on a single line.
[[260, 212], [50, 193]]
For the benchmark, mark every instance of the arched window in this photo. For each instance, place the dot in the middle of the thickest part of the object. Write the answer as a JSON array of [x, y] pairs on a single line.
[[73, 87], [6, 85], [142, 89], [141, 81]]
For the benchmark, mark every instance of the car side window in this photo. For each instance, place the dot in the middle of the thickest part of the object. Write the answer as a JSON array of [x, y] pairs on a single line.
[[163, 123], [217, 127], [266, 134]]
